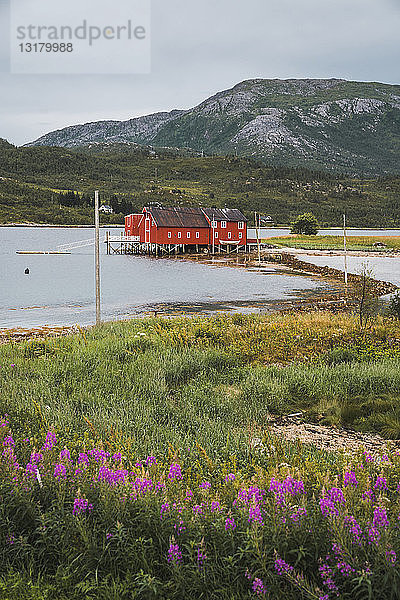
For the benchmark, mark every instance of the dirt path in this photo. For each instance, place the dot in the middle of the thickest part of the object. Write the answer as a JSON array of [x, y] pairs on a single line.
[[329, 438]]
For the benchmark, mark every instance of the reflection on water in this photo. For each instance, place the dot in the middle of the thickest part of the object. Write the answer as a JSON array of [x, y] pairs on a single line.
[[60, 288]]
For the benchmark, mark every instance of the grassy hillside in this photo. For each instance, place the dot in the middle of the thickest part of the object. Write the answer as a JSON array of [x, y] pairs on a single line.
[[34, 183], [137, 462]]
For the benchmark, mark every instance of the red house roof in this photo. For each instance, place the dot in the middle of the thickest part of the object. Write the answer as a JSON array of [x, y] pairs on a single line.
[[224, 214], [177, 216]]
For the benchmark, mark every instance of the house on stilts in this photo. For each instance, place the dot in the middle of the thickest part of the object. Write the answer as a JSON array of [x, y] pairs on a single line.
[[174, 230]]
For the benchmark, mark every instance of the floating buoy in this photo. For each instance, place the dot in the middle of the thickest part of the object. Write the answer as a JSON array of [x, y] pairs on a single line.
[[26, 271]]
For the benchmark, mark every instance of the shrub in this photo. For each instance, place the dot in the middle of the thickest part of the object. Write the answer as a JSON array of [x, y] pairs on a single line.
[[305, 224]]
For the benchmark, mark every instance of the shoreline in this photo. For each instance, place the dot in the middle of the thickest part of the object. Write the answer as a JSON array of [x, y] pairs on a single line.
[[333, 300]]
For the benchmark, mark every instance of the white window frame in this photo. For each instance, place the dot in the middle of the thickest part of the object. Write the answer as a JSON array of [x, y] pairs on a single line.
[[241, 225], [214, 224], [216, 234], [179, 234], [240, 235], [197, 234], [229, 235], [188, 234], [169, 234], [223, 224]]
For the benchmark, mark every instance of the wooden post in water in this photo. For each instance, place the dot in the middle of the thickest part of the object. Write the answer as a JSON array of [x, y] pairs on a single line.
[[97, 253]]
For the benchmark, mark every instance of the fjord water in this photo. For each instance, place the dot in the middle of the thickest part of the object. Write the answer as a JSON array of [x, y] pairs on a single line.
[[60, 288]]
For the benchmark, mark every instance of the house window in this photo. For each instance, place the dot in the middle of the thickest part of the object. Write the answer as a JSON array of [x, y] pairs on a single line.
[[240, 225], [197, 234], [216, 234], [169, 234], [240, 235], [229, 235], [214, 224], [223, 224], [188, 234], [179, 234]]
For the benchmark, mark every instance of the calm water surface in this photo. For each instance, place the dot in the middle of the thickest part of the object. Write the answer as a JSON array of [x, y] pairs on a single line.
[[60, 288]]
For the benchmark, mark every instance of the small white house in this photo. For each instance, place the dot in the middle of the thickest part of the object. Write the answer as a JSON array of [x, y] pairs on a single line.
[[104, 208]]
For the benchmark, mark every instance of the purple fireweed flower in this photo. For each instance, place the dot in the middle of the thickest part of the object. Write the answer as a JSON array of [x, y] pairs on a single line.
[[201, 558], [205, 485], [117, 457], [9, 455], [324, 597], [380, 484], [10, 539], [8, 441], [258, 587], [380, 517], [368, 495], [65, 454], [368, 457], [282, 567], [81, 505], [285, 488], [198, 509], [50, 441], [165, 508], [255, 514], [391, 556], [215, 506], [179, 527], [189, 495], [99, 455], [151, 460], [298, 514], [138, 465], [374, 535], [4, 422], [350, 479], [112, 477], [83, 458], [109, 536], [174, 554], [326, 574], [175, 472], [160, 486], [60, 472], [354, 529], [230, 477], [230, 524], [336, 495], [328, 507], [345, 569]]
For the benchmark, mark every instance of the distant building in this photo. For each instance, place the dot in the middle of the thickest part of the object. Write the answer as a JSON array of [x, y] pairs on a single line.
[[105, 208], [186, 226]]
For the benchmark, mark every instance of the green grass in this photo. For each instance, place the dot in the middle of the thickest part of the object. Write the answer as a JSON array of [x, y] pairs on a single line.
[[333, 242], [165, 381], [194, 392]]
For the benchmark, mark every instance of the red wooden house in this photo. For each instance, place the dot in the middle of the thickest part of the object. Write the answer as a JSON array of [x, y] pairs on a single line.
[[186, 226]]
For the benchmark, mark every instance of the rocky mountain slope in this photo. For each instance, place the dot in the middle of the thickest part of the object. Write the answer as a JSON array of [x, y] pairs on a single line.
[[352, 127]]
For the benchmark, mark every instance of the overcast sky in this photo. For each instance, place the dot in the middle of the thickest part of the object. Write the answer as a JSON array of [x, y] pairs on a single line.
[[200, 47]]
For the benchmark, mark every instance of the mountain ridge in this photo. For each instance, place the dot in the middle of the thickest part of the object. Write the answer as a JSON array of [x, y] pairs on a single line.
[[333, 124]]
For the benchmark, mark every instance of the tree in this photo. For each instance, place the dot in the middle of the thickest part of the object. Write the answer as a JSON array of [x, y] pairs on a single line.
[[305, 224]]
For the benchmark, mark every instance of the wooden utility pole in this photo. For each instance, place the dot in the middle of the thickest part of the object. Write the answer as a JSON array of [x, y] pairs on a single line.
[[258, 238], [97, 253], [213, 234], [345, 250]]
